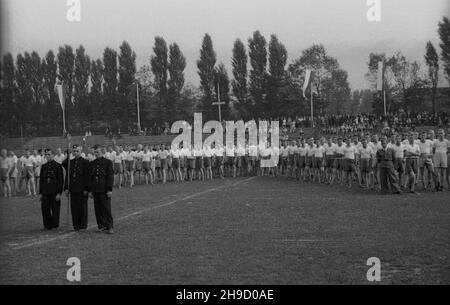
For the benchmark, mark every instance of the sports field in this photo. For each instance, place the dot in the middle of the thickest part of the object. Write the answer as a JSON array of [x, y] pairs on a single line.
[[255, 230]]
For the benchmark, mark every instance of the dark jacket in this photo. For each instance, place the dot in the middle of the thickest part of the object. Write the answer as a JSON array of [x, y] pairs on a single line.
[[385, 157], [78, 180], [51, 179], [101, 176]]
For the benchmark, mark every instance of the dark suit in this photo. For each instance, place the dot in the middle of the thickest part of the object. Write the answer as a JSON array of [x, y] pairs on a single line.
[[77, 184], [51, 184], [101, 180], [388, 179]]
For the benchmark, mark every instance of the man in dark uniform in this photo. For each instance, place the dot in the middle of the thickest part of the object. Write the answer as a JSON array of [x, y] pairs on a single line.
[[76, 186], [385, 158], [101, 181], [50, 189]]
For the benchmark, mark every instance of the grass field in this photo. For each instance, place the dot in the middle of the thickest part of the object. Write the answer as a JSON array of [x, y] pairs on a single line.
[[236, 231]]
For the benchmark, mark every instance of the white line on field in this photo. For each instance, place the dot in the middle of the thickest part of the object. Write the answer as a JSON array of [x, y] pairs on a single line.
[[41, 241]]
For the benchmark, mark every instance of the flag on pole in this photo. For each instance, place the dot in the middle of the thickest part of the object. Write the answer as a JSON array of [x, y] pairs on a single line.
[[380, 76], [62, 101], [60, 90], [308, 79]]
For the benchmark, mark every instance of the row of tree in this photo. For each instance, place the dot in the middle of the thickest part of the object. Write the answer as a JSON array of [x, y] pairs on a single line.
[[102, 92], [405, 82]]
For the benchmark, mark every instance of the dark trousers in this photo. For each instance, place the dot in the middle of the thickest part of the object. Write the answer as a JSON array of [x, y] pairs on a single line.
[[388, 180], [102, 206], [79, 209], [50, 211]]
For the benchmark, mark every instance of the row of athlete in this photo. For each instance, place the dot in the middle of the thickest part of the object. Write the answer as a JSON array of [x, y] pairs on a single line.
[[412, 158]]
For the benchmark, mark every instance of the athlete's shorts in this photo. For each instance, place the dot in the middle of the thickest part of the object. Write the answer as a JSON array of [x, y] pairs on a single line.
[[230, 161], [29, 172], [291, 160], [13, 173], [182, 162], [138, 165], [176, 163], [399, 165], [198, 162], [448, 162], [169, 162], [191, 163], [207, 161], [302, 161], [128, 165], [425, 160], [309, 161], [117, 167], [318, 163], [245, 160], [440, 160], [153, 164], [4, 174], [350, 165], [240, 162], [218, 161], [329, 161], [297, 160], [163, 163], [157, 163], [146, 166], [339, 163], [412, 165], [37, 171], [365, 166]]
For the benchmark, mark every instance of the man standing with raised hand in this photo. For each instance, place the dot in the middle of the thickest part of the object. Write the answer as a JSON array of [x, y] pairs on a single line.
[[101, 181]]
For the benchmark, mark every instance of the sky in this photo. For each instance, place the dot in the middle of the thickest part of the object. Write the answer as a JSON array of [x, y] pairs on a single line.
[[341, 26]]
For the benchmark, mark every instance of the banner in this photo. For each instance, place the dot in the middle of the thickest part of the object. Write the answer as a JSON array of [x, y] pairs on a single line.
[[308, 79], [60, 90], [380, 76]]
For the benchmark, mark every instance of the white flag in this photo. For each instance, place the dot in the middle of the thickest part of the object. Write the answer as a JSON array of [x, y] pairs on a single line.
[[308, 79], [380, 76], [60, 90]]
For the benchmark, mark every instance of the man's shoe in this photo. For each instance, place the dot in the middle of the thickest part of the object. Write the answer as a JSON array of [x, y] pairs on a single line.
[[109, 231]]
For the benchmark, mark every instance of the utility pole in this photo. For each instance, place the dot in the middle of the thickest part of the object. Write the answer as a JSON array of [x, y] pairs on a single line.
[[218, 103]]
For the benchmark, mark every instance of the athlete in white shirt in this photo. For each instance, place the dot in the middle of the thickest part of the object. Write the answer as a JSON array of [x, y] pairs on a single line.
[[129, 166], [412, 154], [426, 162], [365, 165], [118, 157], [5, 168], [319, 154], [441, 147], [28, 163], [207, 160], [350, 154], [138, 163]]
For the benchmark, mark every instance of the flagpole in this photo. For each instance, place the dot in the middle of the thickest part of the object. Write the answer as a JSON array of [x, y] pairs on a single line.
[[218, 102], [64, 122], [68, 183], [312, 110], [137, 102]]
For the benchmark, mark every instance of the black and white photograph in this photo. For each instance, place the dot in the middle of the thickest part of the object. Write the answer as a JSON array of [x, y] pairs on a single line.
[[225, 148]]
